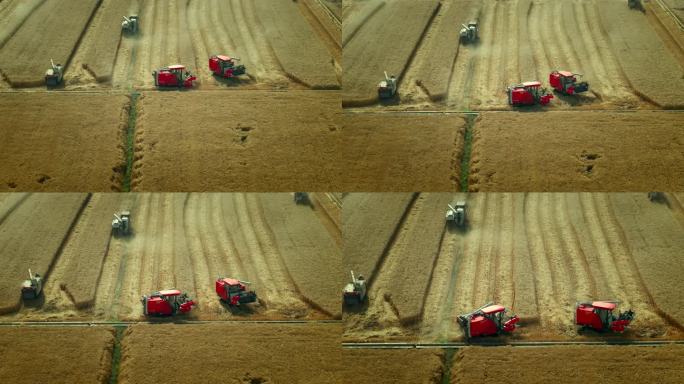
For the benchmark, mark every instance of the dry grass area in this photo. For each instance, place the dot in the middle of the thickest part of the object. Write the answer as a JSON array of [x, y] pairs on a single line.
[[87, 248], [369, 221], [31, 241], [652, 69], [300, 52], [386, 152], [52, 31], [59, 142], [102, 48], [258, 141], [570, 364], [589, 151], [374, 48], [56, 355]]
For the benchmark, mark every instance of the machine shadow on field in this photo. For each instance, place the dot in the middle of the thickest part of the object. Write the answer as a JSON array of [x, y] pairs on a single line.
[[36, 303], [348, 309], [243, 310]]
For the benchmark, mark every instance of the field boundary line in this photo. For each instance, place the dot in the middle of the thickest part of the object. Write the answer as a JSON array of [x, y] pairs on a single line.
[[518, 344], [160, 321], [362, 111]]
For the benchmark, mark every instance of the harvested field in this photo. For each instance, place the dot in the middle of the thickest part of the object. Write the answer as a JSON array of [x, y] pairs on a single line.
[[220, 142], [520, 40], [29, 240], [588, 151], [383, 152], [25, 57], [178, 240], [369, 223], [60, 142], [366, 55], [318, 357], [56, 355], [536, 254], [302, 55], [14, 13], [662, 83], [569, 363]]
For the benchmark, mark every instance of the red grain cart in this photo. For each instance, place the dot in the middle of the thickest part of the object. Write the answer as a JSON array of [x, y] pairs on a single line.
[[598, 315], [225, 66], [528, 93], [234, 292], [490, 319], [173, 76], [168, 302], [567, 83]]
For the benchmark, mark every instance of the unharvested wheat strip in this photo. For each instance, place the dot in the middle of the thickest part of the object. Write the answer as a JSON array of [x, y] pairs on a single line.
[[573, 253], [597, 231], [185, 42], [212, 248], [225, 43], [245, 48], [148, 277], [467, 276], [481, 67], [261, 44], [577, 227], [524, 301], [159, 58], [144, 56], [511, 48], [173, 32], [633, 288], [563, 280], [546, 295], [550, 44], [131, 287], [614, 70], [183, 267], [504, 279], [537, 43], [495, 52], [559, 14], [484, 277], [197, 248], [167, 248], [526, 60], [230, 264]]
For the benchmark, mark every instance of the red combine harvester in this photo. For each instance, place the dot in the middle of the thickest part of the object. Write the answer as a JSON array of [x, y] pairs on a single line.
[[528, 93], [234, 292], [490, 319], [224, 66], [167, 303], [566, 82], [598, 315], [173, 76]]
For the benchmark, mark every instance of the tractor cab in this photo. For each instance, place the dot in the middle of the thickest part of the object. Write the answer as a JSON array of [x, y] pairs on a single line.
[[387, 88], [528, 93], [456, 213], [490, 319], [567, 82], [167, 303], [355, 291], [31, 288], [598, 315], [234, 292], [225, 66], [173, 76]]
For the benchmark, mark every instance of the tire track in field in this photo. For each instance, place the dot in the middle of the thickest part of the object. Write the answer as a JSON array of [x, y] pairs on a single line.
[[273, 259], [504, 287], [247, 48], [546, 289], [614, 75], [166, 246], [197, 249], [564, 281], [132, 288], [262, 45], [633, 286], [494, 68], [586, 49], [279, 291]]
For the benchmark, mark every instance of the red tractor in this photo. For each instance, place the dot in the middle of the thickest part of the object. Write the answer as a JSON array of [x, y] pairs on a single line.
[[490, 319], [567, 82], [598, 315], [225, 66], [173, 76], [528, 93], [167, 303], [234, 292]]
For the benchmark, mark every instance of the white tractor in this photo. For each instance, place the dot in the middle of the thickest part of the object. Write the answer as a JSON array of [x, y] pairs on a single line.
[[456, 214], [469, 33], [54, 75], [32, 287], [130, 24], [121, 224], [301, 198], [387, 88], [355, 291]]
